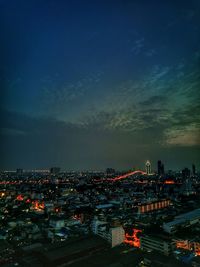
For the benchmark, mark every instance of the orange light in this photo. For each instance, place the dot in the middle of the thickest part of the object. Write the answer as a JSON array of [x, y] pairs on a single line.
[[169, 182], [154, 206], [37, 205], [184, 244], [133, 240]]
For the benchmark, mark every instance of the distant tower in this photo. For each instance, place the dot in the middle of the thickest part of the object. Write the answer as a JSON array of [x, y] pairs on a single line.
[[148, 167], [110, 171], [193, 169], [186, 173], [160, 168], [187, 188], [19, 171], [55, 170]]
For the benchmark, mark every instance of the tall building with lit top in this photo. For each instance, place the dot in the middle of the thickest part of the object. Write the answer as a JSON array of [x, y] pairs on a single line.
[[148, 167]]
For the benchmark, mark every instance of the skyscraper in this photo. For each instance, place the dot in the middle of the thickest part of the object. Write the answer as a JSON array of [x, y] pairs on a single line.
[[19, 171], [110, 171], [185, 173], [55, 170], [160, 168], [193, 169], [148, 167]]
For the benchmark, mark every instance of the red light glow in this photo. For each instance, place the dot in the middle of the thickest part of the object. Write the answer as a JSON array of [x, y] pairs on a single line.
[[20, 198], [126, 175]]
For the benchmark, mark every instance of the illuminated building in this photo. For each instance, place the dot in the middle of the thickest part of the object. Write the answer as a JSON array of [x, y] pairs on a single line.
[[196, 248], [187, 188], [148, 167], [114, 235], [151, 243], [37, 206], [153, 206], [188, 245], [183, 244]]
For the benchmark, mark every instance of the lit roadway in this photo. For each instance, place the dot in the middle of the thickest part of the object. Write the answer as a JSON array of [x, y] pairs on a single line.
[[126, 175], [121, 177]]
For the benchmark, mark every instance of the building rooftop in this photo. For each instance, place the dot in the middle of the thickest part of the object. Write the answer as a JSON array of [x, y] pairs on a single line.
[[73, 250], [182, 218]]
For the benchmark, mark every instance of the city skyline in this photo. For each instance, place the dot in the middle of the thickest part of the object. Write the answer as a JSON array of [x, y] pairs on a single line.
[[155, 168], [99, 84]]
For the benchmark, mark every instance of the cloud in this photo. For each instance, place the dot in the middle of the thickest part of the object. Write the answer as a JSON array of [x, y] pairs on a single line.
[[154, 100], [138, 46], [150, 53], [159, 72], [15, 123], [183, 136], [57, 100]]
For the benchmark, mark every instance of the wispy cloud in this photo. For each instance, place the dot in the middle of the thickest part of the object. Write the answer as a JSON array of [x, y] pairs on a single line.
[[137, 46], [183, 136]]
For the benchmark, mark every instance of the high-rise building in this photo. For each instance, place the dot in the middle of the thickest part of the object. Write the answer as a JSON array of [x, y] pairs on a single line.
[[187, 188], [160, 168], [148, 167], [19, 171], [193, 169], [185, 173], [110, 171], [55, 170]]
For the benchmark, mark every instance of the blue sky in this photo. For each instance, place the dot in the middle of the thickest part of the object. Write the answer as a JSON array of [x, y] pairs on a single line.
[[93, 84]]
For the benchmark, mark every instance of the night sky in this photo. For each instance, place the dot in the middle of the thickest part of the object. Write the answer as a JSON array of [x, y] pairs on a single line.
[[97, 84]]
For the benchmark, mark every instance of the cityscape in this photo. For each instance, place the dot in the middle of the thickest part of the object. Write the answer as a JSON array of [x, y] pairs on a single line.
[[100, 133], [140, 217]]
